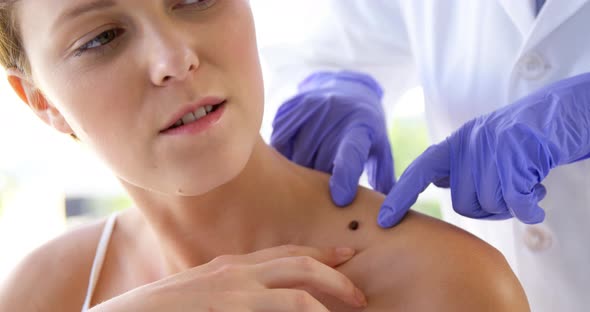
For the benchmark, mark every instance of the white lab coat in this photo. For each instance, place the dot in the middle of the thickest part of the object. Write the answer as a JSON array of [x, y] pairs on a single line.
[[471, 57]]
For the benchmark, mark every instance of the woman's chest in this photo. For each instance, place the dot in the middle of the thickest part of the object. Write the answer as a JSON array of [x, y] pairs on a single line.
[[123, 270]]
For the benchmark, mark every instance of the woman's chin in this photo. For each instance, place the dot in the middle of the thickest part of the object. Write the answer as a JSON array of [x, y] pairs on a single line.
[[203, 184]]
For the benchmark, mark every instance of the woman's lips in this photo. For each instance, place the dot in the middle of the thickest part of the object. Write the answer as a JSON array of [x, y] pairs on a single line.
[[202, 103], [199, 125]]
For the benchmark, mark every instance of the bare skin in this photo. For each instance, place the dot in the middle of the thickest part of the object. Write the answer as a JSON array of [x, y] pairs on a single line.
[[421, 265]]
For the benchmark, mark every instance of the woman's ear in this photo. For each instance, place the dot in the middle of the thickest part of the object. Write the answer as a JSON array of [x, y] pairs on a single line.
[[36, 101]]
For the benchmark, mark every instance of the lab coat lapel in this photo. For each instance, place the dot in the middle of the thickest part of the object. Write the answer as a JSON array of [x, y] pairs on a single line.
[[522, 14], [550, 18]]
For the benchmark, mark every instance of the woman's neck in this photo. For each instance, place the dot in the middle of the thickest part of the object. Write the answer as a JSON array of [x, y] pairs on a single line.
[[271, 202]]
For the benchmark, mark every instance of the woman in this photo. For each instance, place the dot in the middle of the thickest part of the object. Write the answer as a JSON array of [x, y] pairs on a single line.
[[169, 93]]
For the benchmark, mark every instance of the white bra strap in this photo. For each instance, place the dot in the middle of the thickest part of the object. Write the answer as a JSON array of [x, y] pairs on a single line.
[[101, 251]]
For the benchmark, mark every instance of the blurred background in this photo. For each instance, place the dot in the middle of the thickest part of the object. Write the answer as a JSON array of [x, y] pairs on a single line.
[[49, 183]]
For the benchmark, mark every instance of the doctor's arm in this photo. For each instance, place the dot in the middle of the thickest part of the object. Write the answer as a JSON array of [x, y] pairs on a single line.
[[495, 164]]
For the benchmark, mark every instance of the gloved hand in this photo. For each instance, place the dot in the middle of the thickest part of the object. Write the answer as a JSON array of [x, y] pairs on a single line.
[[495, 164], [336, 124]]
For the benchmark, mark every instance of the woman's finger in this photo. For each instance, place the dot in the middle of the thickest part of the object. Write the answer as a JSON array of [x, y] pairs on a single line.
[[329, 256], [306, 271], [285, 300]]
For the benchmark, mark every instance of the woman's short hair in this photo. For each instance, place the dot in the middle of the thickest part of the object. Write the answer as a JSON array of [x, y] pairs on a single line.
[[12, 54]]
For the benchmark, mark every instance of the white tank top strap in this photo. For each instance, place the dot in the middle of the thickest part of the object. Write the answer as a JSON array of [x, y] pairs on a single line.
[[101, 251]]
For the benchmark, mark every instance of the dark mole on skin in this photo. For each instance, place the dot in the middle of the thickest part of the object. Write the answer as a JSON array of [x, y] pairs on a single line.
[[353, 225]]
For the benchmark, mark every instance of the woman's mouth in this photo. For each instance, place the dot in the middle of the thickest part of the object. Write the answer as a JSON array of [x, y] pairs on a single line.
[[195, 116], [197, 120]]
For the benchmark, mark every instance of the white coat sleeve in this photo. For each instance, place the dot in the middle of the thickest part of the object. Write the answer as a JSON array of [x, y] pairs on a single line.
[[297, 38]]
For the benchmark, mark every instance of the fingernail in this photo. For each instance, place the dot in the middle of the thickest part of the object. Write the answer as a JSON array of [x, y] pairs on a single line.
[[360, 297], [345, 252], [386, 217]]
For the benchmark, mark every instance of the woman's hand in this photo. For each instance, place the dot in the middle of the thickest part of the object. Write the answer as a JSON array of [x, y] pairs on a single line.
[[261, 281]]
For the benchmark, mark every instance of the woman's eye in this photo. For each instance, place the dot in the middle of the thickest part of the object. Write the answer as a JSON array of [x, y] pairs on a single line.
[[199, 4], [99, 41]]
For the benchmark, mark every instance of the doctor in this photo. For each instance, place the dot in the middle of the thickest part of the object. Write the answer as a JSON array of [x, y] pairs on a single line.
[[519, 65]]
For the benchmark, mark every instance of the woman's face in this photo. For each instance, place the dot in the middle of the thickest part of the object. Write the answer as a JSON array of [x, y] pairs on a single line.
[[123, 72]]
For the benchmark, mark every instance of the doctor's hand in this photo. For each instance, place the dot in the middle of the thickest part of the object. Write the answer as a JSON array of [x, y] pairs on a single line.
[[336, 125], [494, 164], [265, 280]]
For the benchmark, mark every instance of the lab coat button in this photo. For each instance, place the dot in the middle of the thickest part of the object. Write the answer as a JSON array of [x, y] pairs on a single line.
[[532, 66], [538, 237]]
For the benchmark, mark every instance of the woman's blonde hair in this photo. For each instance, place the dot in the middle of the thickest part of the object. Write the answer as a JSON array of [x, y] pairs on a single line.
[[12, 54]]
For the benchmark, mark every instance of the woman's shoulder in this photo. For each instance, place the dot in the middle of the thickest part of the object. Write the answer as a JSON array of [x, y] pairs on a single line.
[[425, 264], [54, 277]]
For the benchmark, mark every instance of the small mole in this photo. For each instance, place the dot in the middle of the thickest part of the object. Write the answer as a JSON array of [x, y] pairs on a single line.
[[353, 225]]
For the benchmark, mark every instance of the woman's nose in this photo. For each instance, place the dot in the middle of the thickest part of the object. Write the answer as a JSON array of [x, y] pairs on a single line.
[[173, 60]]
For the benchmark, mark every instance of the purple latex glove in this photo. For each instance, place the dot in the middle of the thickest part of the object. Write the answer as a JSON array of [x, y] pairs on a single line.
[[495, 164], [336, 124]]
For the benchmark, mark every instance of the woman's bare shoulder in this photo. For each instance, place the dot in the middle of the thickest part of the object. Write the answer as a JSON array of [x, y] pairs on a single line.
[[53, 277], [424, 264]]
